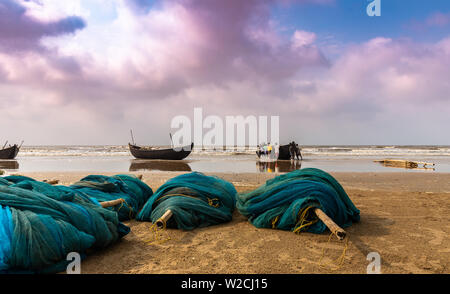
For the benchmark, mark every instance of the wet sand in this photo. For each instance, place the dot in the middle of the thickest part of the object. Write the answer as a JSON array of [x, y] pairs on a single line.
[[405, 217]]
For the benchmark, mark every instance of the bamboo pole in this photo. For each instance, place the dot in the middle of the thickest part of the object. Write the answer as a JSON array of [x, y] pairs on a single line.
[[51, 182], [161, 222], [111, 203], [334, 228]]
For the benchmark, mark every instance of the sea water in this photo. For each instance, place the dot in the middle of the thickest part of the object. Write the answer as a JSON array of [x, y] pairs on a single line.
[[329, 158]]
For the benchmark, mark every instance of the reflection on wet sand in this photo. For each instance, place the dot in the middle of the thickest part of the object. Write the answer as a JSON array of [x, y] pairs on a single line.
[[280, 166], [9, 164], [161, 165]]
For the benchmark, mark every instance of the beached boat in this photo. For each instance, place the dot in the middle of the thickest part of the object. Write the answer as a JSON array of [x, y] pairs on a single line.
[[9, 152], [403, 163], [166, 154], [283, 152]]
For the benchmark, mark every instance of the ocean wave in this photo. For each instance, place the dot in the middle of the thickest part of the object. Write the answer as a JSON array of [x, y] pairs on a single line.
[[357, 151]]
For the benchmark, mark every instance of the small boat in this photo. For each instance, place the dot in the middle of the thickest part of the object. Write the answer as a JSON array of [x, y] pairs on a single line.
[[9, 152], [404, 163], [166, 154], [283, 152]]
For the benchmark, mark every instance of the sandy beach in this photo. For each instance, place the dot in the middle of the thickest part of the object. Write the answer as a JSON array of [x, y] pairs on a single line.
[[405, 217]]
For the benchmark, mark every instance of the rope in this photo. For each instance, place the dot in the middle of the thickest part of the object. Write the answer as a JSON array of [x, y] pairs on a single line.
[[304, 223], [274, 222], [210, 200], [130, 215], [302, 218], [340, 260], [158, 234]]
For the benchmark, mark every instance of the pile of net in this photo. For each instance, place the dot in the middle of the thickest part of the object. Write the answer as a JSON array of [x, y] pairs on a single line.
[[40, 223], [132, 190], [195, 200], [286, 202]]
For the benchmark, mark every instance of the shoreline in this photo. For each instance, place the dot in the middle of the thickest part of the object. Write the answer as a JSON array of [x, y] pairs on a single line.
[[405, 217]]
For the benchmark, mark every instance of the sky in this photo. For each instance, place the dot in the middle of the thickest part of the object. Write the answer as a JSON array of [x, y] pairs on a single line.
[[86, 72]]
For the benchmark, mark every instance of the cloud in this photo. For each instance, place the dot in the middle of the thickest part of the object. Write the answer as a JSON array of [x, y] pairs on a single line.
[[434, 20], [173, 47], [438, 19], [20, 32], [147, 62]]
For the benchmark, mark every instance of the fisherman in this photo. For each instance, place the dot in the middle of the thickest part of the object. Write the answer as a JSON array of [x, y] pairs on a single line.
[[294, 151], [298, 152]]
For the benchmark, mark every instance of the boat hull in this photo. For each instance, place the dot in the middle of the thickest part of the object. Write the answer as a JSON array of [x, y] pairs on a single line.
[[164, 154], [9, 153]]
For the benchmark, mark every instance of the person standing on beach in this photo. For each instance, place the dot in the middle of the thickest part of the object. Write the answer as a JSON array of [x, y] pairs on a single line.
[[294, 151], [298, 152]]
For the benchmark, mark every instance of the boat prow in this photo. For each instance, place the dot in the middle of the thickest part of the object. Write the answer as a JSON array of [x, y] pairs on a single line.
[[9, 152]]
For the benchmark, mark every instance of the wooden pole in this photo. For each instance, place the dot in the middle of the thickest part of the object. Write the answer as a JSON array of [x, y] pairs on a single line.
[[171, 141], [51, 182], [334, 228], [132, 137], [160, 223], [111, 203]]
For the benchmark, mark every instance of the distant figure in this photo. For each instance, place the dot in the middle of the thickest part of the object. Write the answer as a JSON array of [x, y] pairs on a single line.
[[294, 151], [298, 152]]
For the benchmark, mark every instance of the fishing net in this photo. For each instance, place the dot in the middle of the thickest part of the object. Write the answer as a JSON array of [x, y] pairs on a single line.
[[195, 200], [128, 187], [40, 224], [286, 202]]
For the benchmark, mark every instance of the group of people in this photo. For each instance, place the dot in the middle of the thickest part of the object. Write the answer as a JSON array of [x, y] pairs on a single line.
[[270, 150], [294, 151], [266, 149]]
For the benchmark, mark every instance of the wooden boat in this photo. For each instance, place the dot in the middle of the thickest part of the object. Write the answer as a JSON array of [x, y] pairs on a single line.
[[9, 152], [283, 152], [166, 154], [403, 163]]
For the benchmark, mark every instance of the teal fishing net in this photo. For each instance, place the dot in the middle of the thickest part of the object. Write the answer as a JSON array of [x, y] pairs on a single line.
[[284, 202], [40, 223], [196, 200], [128, 187]]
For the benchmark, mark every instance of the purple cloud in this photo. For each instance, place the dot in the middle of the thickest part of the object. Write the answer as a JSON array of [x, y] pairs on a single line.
[[438, 19], [20, 32], [142, 68]]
